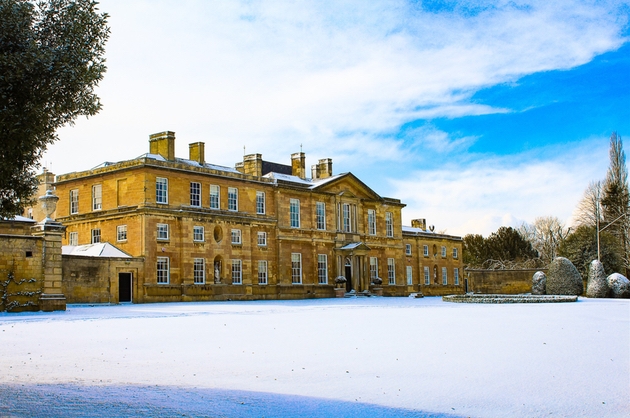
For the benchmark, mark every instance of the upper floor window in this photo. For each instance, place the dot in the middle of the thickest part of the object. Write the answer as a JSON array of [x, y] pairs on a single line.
[[214, 196], [262, 239], [73, 238], [195, 194], [121, 233], [96, 236], [97, 197], [198, 233], [371, 222], [161, 190], [294, 210], [443, 251], [232, 198], [389, 224], [260, 203], [162, 231], [425, 250], [320, 215], [407, 249], [236, 236], [74, 201], [346, 217], [455, 253]]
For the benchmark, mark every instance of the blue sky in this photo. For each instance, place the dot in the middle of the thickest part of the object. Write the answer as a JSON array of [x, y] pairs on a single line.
[[475, 114]]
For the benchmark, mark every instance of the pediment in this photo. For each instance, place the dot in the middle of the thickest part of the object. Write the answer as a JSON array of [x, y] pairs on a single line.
[[348, 185]]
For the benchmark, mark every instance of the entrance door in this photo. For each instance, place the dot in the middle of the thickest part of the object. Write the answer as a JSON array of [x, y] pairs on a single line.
[[124, 287]]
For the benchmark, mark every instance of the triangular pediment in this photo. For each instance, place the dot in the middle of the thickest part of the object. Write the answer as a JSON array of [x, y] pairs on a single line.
[[347, 185]]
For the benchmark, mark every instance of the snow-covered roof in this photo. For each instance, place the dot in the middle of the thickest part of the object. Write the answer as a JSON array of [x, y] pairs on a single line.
[[416, 230], [102, 249], [355, 245], [19, 218], [286, 177]]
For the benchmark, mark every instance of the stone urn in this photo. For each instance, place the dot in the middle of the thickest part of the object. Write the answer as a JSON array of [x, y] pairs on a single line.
[[340, 286]]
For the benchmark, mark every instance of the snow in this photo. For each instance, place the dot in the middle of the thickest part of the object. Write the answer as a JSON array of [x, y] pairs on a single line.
[[103, 249], [343, 357]]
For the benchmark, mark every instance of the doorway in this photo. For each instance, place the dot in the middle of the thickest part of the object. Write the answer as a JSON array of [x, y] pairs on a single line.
[[348, 274], [124, 287]]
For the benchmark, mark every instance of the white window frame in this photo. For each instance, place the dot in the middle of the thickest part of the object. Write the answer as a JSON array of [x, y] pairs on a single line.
[[97, 197], [199, 233], [161, 190], [236, 237], [407, 249], [425, 250], [322, 268], [373, 268], [320, 216], [455, 252], [260, 203], [162, 232], [294, 213], [96, 235], [233, 199], [163, 271], [389, 224], [371, 222], [121, 233], [456, 276], [73, 238], [391, 271], [427, 276], [199, 270], [346, 217], [444, 276], [409, 276], [195, 194], [74, 201], [443, 251], [263, 278], [296, 268], [237, 272], [261, 239], [215, 196]]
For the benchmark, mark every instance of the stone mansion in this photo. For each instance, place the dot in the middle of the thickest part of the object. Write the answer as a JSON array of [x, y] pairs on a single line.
[[193, 230]]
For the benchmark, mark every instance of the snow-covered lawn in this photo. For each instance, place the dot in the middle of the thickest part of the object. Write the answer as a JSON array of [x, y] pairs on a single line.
[[341, 357]]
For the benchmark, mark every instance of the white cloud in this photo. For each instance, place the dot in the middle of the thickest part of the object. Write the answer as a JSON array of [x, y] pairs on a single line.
[[480, 195]]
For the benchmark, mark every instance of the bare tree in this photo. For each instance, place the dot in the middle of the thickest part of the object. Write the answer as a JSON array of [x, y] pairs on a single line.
[[545, 234], [589, 209]]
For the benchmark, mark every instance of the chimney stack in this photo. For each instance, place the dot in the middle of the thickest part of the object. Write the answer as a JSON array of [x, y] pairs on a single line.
[[197, 151], [298, 165], [252, 165], [419, 223], [163, 143]]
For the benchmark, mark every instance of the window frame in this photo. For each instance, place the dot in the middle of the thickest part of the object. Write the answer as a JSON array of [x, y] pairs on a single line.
[[161, 190], [456, 276], [427, 276], [215, 197], [233, 199], [391, 271], [162, 232], [160, 272], [346, 217], [237, 272], [195, 194], [199, 275], [373, 267], [121, 233], [443, 251], [296, 268], [95, 235], [371, 221], [425, 250], [409, 275], [261, 242], [294, 213], [263, 275], [236, 237], [74, 201], [389, 224], [199, 231], [455, 253], [320, 216], [408, 250], [97, 197], [73, 238], [322, 268], [261, 203], [444, 276]]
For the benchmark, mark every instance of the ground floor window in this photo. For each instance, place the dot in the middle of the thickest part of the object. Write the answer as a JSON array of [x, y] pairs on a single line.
[[74, 238], [427, 276], [96, 236], [322, 269], [237, 272], [444, 276], [262, 272], [373, 268], [456, 276], [409, 275], [391, 271], [199, 270], [163, 271], [296, 268]]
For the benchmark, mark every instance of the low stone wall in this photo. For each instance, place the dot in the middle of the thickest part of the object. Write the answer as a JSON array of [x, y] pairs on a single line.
[[505, 282], [21, 272]]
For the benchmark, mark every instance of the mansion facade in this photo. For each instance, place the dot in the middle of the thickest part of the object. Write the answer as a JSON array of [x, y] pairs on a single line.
[[260, 230]]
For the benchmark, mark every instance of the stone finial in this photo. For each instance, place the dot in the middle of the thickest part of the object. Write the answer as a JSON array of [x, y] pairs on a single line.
[[49, 204]]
